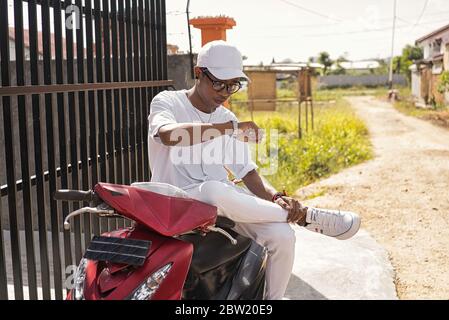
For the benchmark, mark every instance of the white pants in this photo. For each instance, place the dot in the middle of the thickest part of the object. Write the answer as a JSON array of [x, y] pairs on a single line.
[[261, 220]]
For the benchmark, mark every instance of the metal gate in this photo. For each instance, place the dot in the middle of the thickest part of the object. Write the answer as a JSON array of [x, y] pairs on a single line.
[[77, 78]]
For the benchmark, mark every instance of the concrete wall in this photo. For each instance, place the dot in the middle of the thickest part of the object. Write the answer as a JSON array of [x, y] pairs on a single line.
[[416, 84], [335, 81], [179, 70]]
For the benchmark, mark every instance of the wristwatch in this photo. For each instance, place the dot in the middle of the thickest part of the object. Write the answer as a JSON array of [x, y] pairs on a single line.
[[235, 128]]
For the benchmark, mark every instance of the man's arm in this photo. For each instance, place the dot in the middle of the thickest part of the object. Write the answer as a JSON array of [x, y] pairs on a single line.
[[188, 134], [258, 185], [262, 189]]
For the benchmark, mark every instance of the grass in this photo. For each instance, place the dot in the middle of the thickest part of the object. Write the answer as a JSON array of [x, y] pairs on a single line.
[[438, 115], [340, 140], [316, 194], [321, 95], [338, 93]]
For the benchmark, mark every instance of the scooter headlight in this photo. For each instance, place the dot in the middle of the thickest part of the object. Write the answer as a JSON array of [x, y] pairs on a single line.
[[149, 286], [80, 277]]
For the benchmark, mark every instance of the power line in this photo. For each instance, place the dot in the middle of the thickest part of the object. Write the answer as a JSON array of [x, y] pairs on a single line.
[[390, 76], [309, 10], [344, 33], [325, 25], [370, 30], [422, 13]]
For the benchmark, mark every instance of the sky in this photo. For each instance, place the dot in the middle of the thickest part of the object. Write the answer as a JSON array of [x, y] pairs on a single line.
[[299, 29]]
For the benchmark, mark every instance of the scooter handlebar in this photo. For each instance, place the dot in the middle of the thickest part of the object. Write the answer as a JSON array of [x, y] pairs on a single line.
[[75, 195]]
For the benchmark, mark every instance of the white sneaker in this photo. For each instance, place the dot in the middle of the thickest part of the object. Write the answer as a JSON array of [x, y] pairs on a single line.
[[333, 223]]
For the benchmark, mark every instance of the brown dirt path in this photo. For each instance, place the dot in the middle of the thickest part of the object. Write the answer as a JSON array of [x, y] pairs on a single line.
[[402, 196]]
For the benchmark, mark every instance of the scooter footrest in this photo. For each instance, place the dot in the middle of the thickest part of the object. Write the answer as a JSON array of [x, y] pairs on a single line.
[[118, 250]]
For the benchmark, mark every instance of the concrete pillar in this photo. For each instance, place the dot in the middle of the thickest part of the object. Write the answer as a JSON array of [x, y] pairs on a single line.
[[212, 28]]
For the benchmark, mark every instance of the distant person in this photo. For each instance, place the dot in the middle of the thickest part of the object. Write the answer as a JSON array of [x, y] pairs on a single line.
[[192, 120]]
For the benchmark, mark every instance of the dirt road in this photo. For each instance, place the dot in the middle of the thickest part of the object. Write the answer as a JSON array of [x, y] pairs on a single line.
[[402, 196]]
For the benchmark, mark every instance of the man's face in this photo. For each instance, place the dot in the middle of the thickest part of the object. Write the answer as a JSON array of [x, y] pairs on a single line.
[[213, 91]]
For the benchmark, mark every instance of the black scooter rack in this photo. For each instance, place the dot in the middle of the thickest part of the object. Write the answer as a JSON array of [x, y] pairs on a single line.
[[118, 250]]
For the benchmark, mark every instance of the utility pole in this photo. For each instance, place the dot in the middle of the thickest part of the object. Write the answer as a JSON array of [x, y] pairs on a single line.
[[192, 75], [390, 78]]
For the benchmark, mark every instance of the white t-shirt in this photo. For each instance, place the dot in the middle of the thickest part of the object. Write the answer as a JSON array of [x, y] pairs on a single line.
[[188, 166]]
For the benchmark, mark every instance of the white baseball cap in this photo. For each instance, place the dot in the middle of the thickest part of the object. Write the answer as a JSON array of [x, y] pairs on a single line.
[[222, 59]]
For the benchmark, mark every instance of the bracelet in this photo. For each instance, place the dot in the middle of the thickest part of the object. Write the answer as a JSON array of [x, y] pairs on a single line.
[[278, 195]]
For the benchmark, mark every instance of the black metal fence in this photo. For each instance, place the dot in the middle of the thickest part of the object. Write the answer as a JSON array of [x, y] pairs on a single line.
[[75, 94]]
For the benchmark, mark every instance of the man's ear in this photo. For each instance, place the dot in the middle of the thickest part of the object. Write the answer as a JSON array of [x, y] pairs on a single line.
[[197, 72]]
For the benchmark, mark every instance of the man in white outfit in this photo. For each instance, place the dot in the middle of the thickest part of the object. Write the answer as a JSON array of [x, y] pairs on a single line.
[[191, 139]]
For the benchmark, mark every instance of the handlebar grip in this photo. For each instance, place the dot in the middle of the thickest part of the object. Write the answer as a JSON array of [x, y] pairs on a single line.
[[74, 195]]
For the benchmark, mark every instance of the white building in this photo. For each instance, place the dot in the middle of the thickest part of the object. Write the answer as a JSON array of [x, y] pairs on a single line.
[[426, 73]]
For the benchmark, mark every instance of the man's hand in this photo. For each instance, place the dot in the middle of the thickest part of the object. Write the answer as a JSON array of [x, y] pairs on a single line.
[[296, 212], [248, 131]]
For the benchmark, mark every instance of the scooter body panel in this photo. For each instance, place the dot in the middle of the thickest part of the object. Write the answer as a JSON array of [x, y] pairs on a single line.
[[166, 215]]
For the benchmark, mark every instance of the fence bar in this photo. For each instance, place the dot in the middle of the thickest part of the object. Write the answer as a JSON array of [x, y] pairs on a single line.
[[38, 153], [100, 99], [117, 111], [9, 154], [137, 93], [92, 122], [57, 15], [159, 39], [152, 48], [109, 106], [107, 79], [154, 41], [73, 140], [131, 109], [131, 100], [24, 154], [118, 178], [163, 39], [54, 215], [3, 276], [40, 89], [82, 127], [124, 97], [144, 92]]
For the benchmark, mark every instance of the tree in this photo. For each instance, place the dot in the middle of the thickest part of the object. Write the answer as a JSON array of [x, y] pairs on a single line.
[[410, 54], [339, 69], [325, 60]]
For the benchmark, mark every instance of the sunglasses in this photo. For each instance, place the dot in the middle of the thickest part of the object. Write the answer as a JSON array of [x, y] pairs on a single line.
[[220, 85]]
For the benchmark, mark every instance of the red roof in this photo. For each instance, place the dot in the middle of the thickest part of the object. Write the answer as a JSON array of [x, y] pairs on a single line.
[[26, 40]]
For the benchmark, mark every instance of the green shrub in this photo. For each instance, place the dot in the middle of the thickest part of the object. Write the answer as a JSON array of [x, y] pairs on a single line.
[[339, 140], [443, 85]]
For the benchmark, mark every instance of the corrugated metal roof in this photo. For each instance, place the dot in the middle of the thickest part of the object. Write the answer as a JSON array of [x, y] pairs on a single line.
[[434, 33]]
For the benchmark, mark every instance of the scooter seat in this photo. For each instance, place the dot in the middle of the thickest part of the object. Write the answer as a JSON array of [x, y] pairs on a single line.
[[214, 249], [162, 188]]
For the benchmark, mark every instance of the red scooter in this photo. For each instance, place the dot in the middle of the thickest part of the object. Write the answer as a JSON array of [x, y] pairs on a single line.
[[177, 248]]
